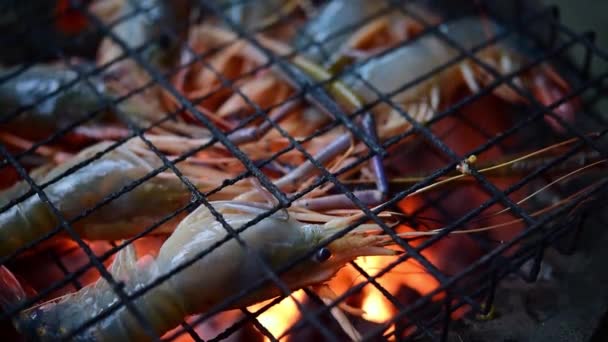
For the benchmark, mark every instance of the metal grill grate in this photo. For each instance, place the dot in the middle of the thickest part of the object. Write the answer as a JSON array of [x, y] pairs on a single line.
[[425, 316]]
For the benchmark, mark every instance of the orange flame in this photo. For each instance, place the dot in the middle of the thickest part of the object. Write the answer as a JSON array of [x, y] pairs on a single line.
[[281, 316], [377, 308]]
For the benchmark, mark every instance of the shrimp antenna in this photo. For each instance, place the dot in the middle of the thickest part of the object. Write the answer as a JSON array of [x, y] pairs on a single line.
[[545, 187], [499, 225], [488, 169]]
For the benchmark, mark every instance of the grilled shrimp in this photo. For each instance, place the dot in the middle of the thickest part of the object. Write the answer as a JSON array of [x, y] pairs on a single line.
[[53, 113], [224, 272], [155, 30], [254, 15], [344, 27], [429, 52], [335, 17], [142, 108], [31, 110], [30, 219], [148, 21]]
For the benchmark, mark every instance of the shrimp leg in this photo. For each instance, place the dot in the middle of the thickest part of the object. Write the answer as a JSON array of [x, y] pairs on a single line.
[[178, 145], [250, 134], [290, 180], [340, 201], [350, 99], [369, 125]]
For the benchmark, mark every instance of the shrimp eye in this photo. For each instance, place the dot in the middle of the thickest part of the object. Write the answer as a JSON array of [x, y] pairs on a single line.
[[322, 254]]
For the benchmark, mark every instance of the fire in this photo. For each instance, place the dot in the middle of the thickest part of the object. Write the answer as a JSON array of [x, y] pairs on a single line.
[[377, 308], [281, 316], [409, 274]]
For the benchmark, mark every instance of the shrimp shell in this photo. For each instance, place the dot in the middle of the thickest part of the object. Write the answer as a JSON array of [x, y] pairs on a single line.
[[55, 112], [124, 216]]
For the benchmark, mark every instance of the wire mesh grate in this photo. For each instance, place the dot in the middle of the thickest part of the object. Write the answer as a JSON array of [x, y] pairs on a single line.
[[414, 312]]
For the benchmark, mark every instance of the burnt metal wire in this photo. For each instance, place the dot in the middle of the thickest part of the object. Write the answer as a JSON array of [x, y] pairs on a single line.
[[467, 288]]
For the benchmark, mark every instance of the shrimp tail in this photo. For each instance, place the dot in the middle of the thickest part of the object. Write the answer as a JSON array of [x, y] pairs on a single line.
[[56, 319], [11, 291], [11, 294]]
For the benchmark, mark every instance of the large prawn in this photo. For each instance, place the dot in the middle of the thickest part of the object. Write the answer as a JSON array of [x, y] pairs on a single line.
[[205, 283], [48, 113], [422, 56], [47, 98], [30, 218], [344, 27]]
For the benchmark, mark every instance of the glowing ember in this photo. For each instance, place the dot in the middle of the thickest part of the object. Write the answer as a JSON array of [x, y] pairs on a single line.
[[281, 316], [377, 308]]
